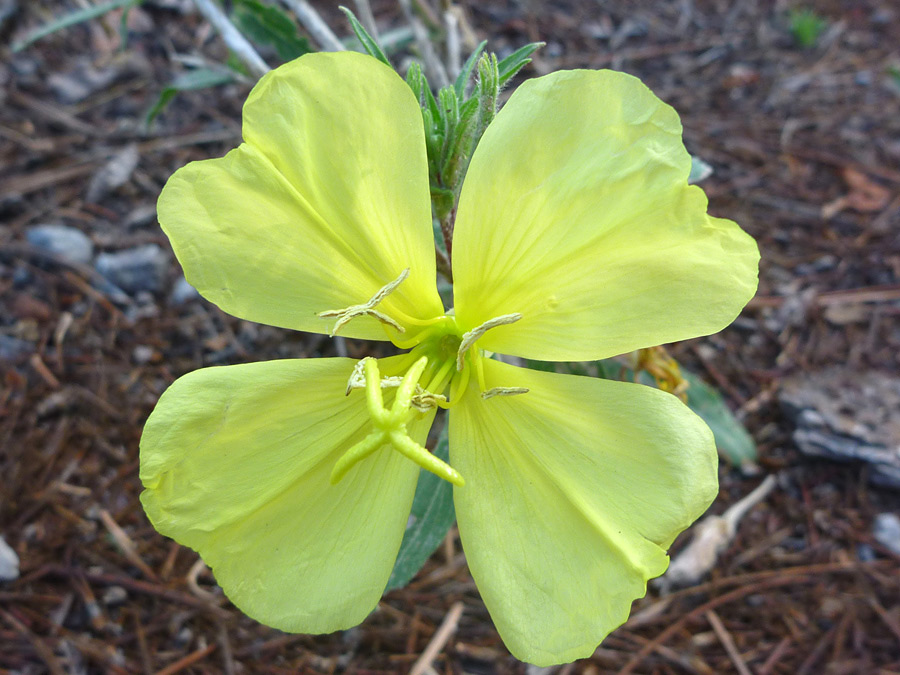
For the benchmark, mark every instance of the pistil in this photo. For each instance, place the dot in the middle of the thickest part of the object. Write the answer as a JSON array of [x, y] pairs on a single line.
[[390, 425]]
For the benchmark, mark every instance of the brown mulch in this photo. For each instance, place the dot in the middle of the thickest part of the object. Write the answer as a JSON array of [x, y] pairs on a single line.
[[806, 149]]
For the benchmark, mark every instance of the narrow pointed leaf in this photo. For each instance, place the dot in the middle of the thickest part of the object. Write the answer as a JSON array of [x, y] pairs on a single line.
[[513, 63], [368, 42], [463, 78], [202, 78]]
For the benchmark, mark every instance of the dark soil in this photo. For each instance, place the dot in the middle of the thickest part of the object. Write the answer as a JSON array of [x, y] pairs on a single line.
[[805, 143]]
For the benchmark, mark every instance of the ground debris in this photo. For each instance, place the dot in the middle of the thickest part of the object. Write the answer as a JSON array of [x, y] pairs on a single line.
[[808, 583]]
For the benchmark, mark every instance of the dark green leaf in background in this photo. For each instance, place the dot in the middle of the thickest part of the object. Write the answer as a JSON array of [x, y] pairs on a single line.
[[202, 78], [734, 443], [268, 25], [432, 517]]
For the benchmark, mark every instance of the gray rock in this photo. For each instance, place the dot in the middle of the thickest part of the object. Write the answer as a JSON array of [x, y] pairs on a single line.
[[66, 242], [886, 531], [142, 268], [183, 292], [9, 562], [114, 174], [845, 415]]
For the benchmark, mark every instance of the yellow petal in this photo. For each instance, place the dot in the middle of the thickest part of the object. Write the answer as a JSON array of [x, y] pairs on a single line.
[[576, 213], [573, 493], [325, 203], [236, 463]]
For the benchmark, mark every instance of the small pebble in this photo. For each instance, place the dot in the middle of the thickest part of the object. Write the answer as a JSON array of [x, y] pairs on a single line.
[[114, 595], [9, 562], [142, 355], [183, 292], [886, 531], [68, 243], [865, 553], [142, 268]]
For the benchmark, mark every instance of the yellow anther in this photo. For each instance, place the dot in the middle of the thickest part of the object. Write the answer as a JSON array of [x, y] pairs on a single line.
[[471, 337], [423, 401], [503, 391], [367, 308], [358, 378]]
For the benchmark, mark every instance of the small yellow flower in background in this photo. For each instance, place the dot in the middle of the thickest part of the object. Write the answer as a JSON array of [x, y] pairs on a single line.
[[577, 238]]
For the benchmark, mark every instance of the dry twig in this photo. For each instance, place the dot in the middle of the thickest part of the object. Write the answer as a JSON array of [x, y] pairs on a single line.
[[316, 26], [233, 37], [441, 636]]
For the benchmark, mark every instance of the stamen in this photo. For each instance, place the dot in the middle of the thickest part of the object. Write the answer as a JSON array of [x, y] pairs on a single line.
[[423, 401], [469, 338], [435, 382], [367, 308], [417, 339], [503, 391], [358, 379], [458, 388], [479, 371]]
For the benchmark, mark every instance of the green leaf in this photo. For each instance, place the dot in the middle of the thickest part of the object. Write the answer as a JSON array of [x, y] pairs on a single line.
[[268, 25], [734, 443], [463, 78], [415, 78], [72, 19], [806, 27], [700, 170], [438, 237], [432, 517], [202, 78], [513, 63], [431, 106], [368, 42], [456, 159]]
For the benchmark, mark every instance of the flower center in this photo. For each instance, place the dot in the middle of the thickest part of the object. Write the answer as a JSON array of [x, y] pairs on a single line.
[[390, 424], [441, 363]]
